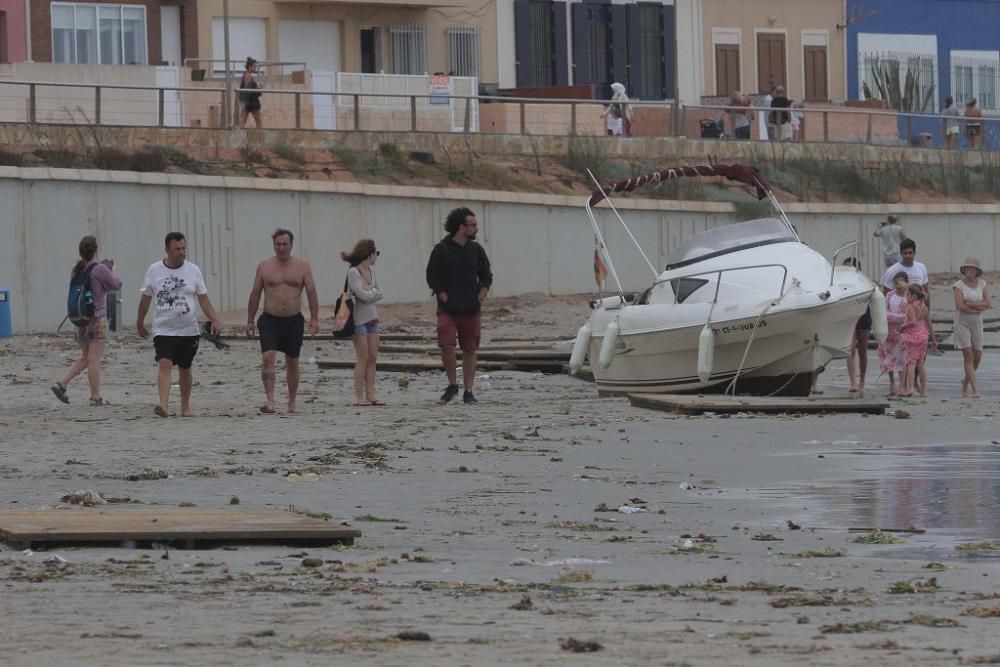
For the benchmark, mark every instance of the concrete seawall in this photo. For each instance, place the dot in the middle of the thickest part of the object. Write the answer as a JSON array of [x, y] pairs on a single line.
[[537, 243]]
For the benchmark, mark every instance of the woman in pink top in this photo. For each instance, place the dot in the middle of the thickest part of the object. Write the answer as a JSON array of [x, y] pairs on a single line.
[[892, 352], [92, 337]]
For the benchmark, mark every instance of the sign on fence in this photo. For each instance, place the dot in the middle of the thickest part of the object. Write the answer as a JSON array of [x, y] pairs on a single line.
[[440, 89]]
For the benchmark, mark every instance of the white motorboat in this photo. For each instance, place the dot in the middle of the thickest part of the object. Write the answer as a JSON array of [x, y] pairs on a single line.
[[742, 308]]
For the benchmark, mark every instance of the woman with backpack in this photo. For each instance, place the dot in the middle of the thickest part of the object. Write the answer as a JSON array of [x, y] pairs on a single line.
[[90, 281], [249, 102]]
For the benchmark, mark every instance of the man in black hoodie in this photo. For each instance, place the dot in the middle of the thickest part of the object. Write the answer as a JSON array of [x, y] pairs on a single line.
[[458, 273]]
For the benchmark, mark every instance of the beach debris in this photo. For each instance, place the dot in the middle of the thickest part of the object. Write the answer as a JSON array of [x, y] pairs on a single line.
[[765, 537], [579, 646], [852, 628], [524, 604], [686, 486], [984, 611], [312, 562], [413, 636], [404, 382], [878, 537], [304, 477], [631, 509], [828, 552], [984, 548], [147, 475], [919, 585], [902, 414], [234, 500], [911, 530], [793, 526], [85, 497]]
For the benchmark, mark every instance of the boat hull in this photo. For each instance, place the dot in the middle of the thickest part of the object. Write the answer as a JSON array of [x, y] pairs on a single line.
[[789, 346]]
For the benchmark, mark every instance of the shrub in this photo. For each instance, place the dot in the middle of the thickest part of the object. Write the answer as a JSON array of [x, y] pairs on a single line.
[[289, 153], [253, 156], [60, 158], [11, 159]]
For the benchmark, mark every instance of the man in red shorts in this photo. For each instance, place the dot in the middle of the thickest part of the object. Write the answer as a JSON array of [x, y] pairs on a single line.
[[458, 273]]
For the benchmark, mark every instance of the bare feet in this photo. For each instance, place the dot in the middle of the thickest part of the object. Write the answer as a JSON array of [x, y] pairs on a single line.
[[266, 409], [293, 408], [159, 411], [187, 413]]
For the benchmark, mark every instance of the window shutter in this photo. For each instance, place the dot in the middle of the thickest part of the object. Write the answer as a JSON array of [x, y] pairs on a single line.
[[619, 45], [560, 37], [581, 46], [522, 42], [636, 69], [669, 49]]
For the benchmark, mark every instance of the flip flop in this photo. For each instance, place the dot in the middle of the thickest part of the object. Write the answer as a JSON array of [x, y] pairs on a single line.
[[363, 404], [160, 412], [59, 389], [376, 402], [264, 410]]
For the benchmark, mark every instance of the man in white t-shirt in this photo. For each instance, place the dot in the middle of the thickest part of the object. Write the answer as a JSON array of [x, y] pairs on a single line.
[[914, 269], [176, 287]]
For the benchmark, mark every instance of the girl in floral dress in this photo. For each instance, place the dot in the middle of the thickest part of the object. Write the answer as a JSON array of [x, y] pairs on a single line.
[[916, 332], [892, 352]]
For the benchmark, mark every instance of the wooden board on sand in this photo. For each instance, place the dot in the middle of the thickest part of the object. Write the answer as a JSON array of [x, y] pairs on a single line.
[[696, 404], [179, 527]]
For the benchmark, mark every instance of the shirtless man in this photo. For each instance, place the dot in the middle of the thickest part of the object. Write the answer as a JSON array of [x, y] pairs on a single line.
[[282, 278]]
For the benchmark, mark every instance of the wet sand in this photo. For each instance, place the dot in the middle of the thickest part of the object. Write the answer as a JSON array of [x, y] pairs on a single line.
[[480, 525]]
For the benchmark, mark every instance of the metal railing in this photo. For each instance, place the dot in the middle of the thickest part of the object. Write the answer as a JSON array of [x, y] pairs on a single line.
[[120, 104], [718, 282]]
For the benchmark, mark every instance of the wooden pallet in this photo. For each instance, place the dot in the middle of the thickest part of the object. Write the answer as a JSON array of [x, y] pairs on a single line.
[[179, 527], [696, 404]]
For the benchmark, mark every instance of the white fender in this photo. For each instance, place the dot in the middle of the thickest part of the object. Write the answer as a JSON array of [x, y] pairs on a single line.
[[580, 346], [608, 345], [706, 353], [880, 319]]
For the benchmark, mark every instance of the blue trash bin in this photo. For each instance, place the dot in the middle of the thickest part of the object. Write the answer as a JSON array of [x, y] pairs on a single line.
[[6, 330]]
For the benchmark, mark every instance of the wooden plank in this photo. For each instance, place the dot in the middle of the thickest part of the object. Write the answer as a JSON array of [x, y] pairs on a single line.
[[695, 404], [186, 525]]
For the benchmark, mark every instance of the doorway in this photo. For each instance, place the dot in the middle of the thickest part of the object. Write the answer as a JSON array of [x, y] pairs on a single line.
[[371, 50]]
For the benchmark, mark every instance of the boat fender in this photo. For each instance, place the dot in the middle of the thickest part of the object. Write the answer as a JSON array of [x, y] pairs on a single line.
[[608, 345], [880, 320], [706, 353], [580, 345]]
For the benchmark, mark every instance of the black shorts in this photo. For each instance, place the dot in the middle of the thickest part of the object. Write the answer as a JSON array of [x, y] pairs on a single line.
[[283, 334], [178, 349], [864, 322]]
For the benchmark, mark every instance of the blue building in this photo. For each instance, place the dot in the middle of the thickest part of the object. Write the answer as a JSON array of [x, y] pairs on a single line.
[[953, 46]]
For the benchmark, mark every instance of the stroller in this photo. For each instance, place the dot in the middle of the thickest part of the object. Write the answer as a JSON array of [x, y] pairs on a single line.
[[714, 128]]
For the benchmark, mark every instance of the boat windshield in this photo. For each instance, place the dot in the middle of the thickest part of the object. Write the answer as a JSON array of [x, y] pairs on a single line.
[[730, 238]]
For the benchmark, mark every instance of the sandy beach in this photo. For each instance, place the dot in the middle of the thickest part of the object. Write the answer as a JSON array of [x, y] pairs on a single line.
[[495, 528]]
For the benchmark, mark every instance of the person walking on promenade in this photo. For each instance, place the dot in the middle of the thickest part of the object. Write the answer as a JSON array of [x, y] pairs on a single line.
[[972, 299], [915, 271], [973, 123], [282, 279], [458, 273], [781, 118], [739, 117], [950, 125], [917, 330], [249, 102], [364, 289], [92, 337], [892, 351], [618, 114], [857, 371], [175, 285], [891, 233]]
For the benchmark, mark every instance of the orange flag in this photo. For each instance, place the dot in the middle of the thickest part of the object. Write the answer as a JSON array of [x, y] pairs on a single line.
[[600, 271]]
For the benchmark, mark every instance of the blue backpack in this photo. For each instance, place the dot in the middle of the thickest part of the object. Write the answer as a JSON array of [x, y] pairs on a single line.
[[80, 302]]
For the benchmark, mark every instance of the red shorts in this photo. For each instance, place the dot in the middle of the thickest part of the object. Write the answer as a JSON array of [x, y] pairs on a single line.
[[463, 327]]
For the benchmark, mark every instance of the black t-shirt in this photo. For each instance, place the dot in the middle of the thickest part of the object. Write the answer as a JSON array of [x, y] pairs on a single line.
[[782, 117]]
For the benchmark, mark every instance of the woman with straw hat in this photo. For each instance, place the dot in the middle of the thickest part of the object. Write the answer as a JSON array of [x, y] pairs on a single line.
[[972, 298]]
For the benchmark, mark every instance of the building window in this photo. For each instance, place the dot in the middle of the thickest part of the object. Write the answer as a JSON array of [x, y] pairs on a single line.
[[371, 50], [408, 49], [463, 51], [541, 46], [95, 34], [987, 87]]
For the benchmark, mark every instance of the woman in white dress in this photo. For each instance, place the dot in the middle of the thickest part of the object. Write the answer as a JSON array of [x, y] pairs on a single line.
[[618, 115], [972, 298]]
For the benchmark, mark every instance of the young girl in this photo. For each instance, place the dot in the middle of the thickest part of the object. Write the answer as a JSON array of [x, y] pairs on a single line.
[[892, 353], [917, 330], [249, 102]]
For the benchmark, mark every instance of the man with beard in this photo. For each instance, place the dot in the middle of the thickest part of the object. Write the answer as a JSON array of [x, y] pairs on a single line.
[[458, 273]]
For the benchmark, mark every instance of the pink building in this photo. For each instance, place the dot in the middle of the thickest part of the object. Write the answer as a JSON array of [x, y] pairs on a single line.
[[13, 31]]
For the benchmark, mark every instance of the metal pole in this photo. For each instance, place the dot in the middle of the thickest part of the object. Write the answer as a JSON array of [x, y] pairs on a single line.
[[225, 38], [572, 119], [868, 136], [159, 106], [32, 104], [675, 116], [413, 113], [298, 111], [357, 111], [97, 105], [468, 113], [521, 106], [826, 126]]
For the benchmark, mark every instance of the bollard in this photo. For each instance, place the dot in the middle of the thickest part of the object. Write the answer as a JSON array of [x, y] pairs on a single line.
[[6, 330]]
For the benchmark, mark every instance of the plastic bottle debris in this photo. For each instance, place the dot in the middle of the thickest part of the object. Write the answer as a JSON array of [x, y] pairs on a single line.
[[688, 544], [686, 486], [55, 558], [629, 509]]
